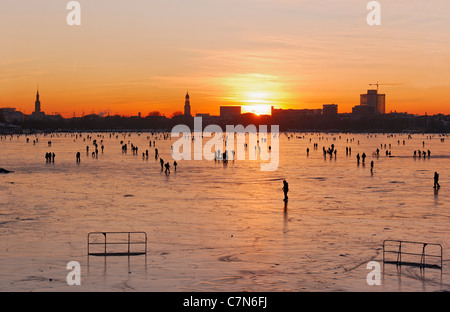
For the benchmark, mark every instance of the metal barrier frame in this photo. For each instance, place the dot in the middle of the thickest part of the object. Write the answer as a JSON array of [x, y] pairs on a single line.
[[106, 243], [422, 255]]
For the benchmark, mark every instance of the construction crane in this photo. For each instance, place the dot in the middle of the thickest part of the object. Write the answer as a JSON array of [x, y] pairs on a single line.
[[384, 84]]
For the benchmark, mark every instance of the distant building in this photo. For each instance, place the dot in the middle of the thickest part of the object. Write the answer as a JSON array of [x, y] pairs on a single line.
[[205, 115], [370, 103], [294, 113], [363, 110], [375, 100], [230, 111], [187, 106], [10, 115], [330, 110]]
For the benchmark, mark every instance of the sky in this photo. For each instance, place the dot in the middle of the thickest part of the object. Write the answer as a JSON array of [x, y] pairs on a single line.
[[144, 55]]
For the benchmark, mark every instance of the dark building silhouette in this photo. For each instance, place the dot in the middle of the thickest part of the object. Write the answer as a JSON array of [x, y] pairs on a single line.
[[11, 115], [37, 107], [294, 113], [37, 104], [187, 106], [370, 103], [230, 111], [330, 110]]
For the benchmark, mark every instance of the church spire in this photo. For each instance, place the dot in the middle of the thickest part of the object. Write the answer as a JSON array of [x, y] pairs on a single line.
[[187, 106], [37, 104]]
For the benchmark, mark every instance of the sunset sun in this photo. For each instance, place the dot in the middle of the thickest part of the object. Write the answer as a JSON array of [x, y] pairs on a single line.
[[257, 109], [258, 103]]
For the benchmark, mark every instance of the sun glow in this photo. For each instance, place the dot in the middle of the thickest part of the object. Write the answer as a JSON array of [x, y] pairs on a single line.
[[257, 109], [258, 103]]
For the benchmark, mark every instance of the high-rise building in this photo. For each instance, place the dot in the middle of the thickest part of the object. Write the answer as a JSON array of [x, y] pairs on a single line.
[[370, 103], [187, 106], [374, 100]]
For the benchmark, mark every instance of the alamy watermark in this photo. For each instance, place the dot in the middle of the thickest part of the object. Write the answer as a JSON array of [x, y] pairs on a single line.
[[74, 276], [374, 16], [74, 16], [374, 276], [222, 144]]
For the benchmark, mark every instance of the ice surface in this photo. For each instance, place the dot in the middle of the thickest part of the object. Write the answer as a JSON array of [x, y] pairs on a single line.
[[216, 227]]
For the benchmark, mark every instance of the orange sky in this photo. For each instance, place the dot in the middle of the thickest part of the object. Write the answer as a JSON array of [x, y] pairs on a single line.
[[140, 56]]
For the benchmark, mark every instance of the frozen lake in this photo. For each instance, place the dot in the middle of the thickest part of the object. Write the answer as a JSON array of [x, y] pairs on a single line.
[[216, 227]]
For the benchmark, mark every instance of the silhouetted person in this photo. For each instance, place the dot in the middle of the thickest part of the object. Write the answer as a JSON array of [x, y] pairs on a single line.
[[161, 161], [175, 165], [285, 190], [307, 151], [167, 168], [156, 153], [363, 157], [436, 180], [78, 157], [357, 158], [53, 157], [371, 165]]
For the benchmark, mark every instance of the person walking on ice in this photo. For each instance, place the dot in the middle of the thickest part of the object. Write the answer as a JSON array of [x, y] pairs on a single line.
[[285, 190], [436, 180]]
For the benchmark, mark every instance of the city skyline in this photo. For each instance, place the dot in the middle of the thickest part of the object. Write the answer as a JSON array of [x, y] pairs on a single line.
[[371, 103], [127, 58]]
